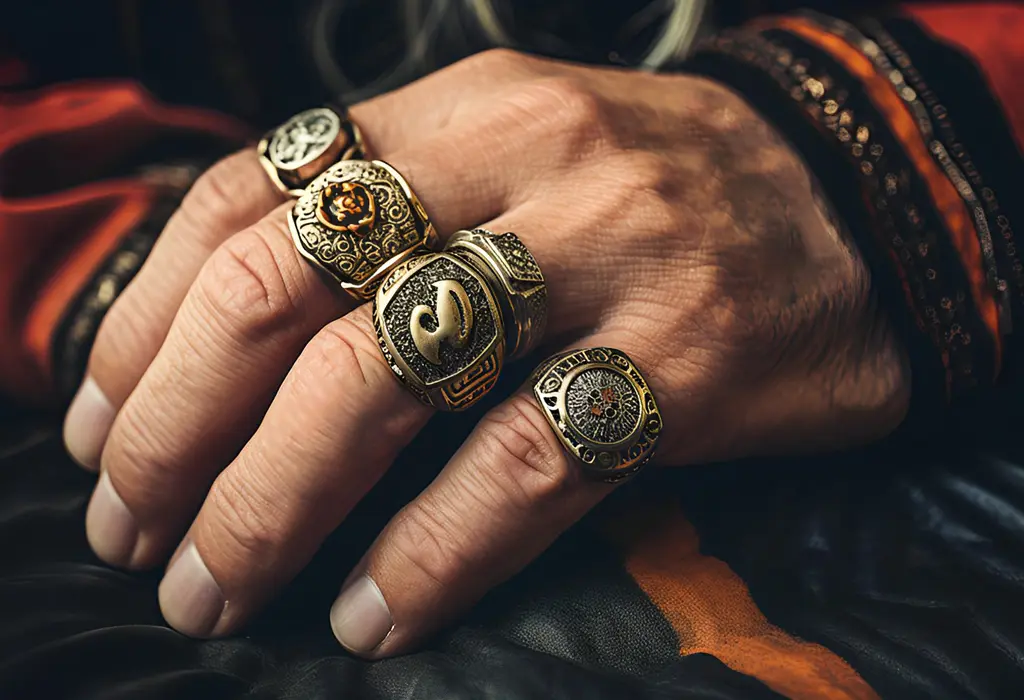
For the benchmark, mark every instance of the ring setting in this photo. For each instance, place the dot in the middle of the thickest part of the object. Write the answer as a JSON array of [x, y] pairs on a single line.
[[301, 148], [440, 329], [358, 220], [601, 409], [515, 275]]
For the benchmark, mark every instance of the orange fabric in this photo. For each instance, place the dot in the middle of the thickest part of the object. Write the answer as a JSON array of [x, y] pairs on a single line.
[[991, 33], [58, 219], [711, 610], [903, 126]]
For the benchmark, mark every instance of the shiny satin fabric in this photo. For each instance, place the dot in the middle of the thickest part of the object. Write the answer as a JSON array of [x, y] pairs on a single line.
[[895, 572]]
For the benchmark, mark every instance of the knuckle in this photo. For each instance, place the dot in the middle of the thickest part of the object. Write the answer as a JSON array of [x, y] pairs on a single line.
[[245, 288], [427, 539], [498, 61], [216, 193], [570, 113], [141, 456], [245, 522], [647, 178], [646, 185], [520, 455], [124, 340], [344, 350]]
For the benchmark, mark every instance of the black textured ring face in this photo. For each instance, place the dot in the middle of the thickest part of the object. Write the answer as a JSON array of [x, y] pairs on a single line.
[[603, 405], [441, 319], [304, 138]]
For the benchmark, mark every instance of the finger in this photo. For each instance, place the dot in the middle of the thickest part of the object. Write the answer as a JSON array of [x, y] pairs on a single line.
[[504, 497], [334, 427], [243, 323], [338, 420], [233, 194]]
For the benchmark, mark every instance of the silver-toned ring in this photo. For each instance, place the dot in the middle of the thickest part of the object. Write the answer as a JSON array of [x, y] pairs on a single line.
[[517, 280], [601, 409], [308, 143]]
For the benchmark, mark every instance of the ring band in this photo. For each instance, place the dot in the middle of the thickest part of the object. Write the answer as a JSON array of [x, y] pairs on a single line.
[[440, 329], [356, 221], [602, 410], [296, 152], [516, 277]]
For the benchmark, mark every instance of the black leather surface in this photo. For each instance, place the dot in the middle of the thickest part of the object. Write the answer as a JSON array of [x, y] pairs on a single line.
[[906, 560]]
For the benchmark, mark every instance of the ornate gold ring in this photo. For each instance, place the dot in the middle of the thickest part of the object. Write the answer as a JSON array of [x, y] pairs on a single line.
[[357, 221], [516, 278], [602, 410], [440, 329]]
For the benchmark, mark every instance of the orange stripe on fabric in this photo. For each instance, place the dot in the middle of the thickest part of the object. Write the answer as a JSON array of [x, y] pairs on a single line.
[[901, 122], [135, 200], [990, 33], [66, 216], [711, 610]]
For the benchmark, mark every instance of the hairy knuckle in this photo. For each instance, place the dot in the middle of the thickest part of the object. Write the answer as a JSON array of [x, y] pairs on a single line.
[[521, 456], [245, 288]]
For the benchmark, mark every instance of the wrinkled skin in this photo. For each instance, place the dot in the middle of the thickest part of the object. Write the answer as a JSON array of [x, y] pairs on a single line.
[[671, 222]]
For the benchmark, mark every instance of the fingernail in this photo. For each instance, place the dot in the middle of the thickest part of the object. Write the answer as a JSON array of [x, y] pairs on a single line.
[[360, 617], [190, 599], [109, 525], [87, 425]]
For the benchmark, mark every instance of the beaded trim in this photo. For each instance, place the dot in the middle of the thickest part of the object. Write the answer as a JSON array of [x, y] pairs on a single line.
[[76, 333], [910, 96], [1005, 239], [888, 182]]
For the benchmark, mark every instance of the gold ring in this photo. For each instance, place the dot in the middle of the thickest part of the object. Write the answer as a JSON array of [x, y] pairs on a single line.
[[515, 276], [602, 410], [306, 145], [440, 329], [357, 221]]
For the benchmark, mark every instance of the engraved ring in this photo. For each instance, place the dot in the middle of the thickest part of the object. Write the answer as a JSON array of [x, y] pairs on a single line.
[[602, 410], [440, 328], [305, 145], [516, 277], [357, 221]]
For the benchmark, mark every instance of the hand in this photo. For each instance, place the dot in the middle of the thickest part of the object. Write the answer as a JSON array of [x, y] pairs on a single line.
[[671, 222]]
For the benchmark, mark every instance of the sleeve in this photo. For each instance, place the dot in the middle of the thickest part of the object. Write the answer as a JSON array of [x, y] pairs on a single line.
[[914, 125], [89, 174]]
